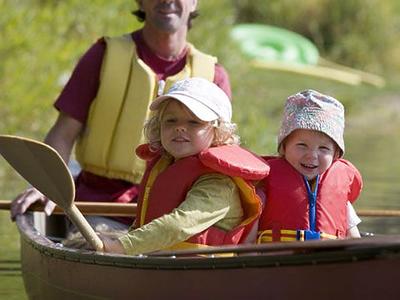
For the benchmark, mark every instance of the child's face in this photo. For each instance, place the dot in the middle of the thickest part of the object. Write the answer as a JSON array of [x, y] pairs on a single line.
[[182, 133], [310, 152]]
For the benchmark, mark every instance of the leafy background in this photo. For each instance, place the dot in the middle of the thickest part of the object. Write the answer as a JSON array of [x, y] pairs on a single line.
[[44, 40]]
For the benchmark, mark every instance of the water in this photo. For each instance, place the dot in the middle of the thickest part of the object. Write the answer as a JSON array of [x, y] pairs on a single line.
[[372, 144], [372, 140], [11, 285]]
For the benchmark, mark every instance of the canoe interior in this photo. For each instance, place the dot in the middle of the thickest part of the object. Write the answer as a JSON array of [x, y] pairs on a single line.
[[348, 269]]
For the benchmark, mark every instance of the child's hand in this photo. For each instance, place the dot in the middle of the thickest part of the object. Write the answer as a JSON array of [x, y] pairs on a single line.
[[112, 244]]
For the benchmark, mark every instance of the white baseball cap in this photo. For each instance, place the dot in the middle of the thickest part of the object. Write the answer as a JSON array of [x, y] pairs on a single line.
[[202, 97]]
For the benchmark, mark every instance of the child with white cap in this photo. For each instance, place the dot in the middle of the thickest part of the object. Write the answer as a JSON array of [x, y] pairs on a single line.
[[197, 190], [310, 188]]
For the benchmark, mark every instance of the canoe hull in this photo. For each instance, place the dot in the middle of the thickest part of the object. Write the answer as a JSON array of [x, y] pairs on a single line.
[[52, 272]]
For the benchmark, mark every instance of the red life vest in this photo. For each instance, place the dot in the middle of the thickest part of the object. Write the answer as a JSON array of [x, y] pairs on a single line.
[[287, 206], [167, 189]]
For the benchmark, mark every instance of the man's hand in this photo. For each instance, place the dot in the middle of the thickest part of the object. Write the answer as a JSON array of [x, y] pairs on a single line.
[[25, 199]]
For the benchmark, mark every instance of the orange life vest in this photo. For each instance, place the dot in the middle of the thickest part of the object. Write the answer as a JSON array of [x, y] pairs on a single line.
[[286, 215], [166, 183]]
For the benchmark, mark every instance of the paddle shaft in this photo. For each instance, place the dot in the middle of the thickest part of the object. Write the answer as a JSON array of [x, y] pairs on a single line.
[[108, 209], [378, 212], [87, 231], [113, 209]]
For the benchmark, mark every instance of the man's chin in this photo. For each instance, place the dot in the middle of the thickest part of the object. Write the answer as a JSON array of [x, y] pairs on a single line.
[[168, 24]]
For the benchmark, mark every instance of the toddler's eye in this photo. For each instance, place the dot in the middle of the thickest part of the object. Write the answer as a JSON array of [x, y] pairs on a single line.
[[302, 145], [325, 148]]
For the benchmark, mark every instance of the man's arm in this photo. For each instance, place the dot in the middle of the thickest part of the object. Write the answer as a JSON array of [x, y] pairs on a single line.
[[61, 137]]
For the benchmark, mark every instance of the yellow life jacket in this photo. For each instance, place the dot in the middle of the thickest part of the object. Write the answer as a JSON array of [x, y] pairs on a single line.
[[117, 114]]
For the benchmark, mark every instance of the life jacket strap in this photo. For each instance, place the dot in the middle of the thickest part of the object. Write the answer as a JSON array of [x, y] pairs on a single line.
[[287, 235]]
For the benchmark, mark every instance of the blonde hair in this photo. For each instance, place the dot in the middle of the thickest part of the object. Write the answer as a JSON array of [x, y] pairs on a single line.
[[224, 132]]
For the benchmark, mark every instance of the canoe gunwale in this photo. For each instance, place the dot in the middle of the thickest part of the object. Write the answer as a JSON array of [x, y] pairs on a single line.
[[275, 255]]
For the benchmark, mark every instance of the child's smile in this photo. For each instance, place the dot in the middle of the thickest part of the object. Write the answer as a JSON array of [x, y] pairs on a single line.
[[310, 152], [307, 166], [180, 139]]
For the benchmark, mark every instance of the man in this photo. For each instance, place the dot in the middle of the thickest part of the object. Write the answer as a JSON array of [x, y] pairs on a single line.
[[105, 102]]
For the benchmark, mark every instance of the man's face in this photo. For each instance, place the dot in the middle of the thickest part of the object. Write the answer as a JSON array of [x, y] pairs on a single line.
[[167, 15]]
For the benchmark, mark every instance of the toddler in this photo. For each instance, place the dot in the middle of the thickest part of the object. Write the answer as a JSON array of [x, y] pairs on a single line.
[[310, 187]]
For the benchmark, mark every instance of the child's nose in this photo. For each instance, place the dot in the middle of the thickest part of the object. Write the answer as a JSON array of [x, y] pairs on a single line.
[[312, 153], [180, 128]]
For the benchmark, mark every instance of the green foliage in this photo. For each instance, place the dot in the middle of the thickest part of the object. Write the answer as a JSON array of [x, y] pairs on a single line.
[[357, 33], [43, 41], [259, 94]]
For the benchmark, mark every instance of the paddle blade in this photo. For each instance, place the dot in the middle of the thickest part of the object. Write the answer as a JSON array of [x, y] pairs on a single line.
[[41, 166]]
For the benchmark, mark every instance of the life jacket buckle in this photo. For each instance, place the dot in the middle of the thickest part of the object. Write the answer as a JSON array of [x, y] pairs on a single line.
[[304, 235]]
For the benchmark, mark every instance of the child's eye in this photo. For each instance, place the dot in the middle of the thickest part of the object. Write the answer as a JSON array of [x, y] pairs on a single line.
[[194, 122], [169, 120], [325, 148], [302, 145]]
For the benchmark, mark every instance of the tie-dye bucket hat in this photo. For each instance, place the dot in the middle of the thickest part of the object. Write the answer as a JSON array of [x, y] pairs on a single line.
[[315, 111]]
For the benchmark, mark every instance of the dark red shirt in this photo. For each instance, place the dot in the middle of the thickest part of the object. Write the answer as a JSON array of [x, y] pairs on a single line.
[[80, 91]]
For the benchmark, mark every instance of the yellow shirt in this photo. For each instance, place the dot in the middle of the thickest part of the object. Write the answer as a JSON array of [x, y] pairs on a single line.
[[214, 199]]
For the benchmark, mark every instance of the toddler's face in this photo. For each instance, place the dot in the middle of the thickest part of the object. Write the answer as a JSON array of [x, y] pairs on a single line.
[[182, 133], [310, 152]]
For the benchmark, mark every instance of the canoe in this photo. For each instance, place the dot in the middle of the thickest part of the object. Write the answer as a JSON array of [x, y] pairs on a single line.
[[345, 269], [342, 269]]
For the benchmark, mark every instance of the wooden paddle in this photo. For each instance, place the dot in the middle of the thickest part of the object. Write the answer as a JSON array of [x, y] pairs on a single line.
[[109, 209], [378, 212], [112, 209], [45, 170]]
